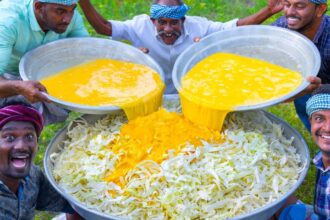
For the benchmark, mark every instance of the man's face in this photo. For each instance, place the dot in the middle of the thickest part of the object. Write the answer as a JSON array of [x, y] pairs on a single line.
[[18, 146], [320, 129], [54, 17], [169, 30], [300, 14]]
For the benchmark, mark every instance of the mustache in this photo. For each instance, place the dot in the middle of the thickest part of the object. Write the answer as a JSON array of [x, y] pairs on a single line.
[[176, 33]]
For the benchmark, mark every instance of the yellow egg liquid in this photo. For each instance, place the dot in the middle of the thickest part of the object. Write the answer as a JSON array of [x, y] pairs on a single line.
[[105, 82], [221, 82], [152, 137]]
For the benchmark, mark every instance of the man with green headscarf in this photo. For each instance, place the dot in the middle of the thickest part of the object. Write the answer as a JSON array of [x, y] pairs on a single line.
[[25, 25]]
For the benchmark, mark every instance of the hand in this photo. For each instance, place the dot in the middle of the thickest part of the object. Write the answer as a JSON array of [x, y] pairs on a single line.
[[315, 83], [275, 6], [32, 91], [197, 39], [144, 50]]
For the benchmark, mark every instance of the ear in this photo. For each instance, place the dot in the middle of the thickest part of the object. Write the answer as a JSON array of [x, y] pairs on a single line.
[[153, 20], [321, 9], [38, 6]]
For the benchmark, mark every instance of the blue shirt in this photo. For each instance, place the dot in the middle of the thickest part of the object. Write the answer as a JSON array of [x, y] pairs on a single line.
[[322, 189], [20, 32], [35, 192], [321, 41]]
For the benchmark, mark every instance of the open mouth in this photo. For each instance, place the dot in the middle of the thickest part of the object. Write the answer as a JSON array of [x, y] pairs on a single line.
[[20, 161], [293, 21]]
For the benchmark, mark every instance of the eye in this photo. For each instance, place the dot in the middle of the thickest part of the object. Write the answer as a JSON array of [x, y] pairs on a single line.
[[30, 137], [60, 11], [9, 138], [174, 22], [161, 22], [318, 118], [300, 6]]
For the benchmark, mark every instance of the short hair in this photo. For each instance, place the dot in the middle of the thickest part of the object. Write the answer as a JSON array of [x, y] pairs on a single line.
[[179, 2], [323, 89]]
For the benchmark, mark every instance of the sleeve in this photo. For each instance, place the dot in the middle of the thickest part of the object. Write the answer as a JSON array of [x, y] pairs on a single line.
[[49, 199], [78, 29], [124, 30], [7, 41], [219, 26]]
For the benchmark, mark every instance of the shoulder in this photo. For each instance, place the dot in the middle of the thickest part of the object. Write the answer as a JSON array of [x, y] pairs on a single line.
[[196, 20], [12, 11]]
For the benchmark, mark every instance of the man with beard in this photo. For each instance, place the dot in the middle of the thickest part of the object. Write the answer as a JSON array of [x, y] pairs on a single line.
[[167, 32], [318, 111], [23, 186], [308, 18], [25, 25]]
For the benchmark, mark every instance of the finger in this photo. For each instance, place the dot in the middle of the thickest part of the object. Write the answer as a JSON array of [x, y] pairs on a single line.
[[40, 97], [41, 87], [197, 39]]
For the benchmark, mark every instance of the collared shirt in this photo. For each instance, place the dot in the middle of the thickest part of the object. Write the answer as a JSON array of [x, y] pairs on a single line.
[[322, 189], [321, 41], [20, 32], [34, 193], [141, 32]]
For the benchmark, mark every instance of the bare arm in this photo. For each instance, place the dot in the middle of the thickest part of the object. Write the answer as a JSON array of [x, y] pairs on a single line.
[[32, 90], [273, 7], [100, 25]]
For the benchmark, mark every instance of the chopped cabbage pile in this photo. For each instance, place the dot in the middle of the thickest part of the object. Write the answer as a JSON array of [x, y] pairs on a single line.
[[253, 167]]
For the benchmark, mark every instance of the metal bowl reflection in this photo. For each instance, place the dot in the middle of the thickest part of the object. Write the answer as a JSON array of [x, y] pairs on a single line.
[[273, 44], [262, 213], [56, 56]]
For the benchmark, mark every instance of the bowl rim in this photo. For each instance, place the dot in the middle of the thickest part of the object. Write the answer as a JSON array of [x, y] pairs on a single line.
[[252, 32], [81, 206], [81, 107]]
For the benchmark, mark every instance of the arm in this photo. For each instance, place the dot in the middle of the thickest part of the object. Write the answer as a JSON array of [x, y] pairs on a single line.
[[32, 90], [273, 7], [101, 25]]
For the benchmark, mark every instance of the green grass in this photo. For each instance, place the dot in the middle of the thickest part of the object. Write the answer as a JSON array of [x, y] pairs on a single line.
[[218, 10]]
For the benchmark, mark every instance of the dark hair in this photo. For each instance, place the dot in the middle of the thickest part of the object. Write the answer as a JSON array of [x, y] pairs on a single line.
[[179, 2], [324, 88]]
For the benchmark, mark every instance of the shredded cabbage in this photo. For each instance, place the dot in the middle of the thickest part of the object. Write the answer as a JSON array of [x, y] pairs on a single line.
[[253, 167]]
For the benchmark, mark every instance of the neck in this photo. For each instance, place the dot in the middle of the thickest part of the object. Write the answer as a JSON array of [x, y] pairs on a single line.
[[311, 30], [11, 183]]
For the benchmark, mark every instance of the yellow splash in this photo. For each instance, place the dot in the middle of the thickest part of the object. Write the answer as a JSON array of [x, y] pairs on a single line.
[[152, 137], [104, 82], [222, 82]]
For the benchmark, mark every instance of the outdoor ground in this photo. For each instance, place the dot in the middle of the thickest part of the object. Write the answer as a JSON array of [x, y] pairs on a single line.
[[218, 10]]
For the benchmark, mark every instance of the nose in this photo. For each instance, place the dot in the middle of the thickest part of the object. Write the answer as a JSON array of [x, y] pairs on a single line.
[[168, 28], [21, 145], [290, 10], [67, 18]]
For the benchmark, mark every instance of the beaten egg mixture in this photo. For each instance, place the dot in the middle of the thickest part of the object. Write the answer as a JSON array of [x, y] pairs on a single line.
[[134, 87], [221, 82]]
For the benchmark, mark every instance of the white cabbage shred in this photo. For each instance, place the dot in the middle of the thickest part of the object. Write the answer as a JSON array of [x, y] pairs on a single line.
[[253, 167]]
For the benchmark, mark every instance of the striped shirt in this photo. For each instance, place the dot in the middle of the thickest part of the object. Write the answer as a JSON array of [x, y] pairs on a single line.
[[322, 189]]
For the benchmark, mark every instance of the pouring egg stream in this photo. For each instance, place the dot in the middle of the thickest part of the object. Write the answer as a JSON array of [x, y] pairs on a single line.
[[222, 82]]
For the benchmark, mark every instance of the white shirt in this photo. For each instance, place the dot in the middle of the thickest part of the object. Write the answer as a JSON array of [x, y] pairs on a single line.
[[141, 32]]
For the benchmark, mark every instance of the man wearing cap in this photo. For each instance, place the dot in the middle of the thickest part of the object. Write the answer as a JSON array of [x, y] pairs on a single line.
[[318, 111], [23, 186], [308, 18], [167, 32], [25, 25]]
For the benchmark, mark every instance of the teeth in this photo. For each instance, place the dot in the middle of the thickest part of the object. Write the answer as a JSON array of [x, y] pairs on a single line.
[[325, 136]]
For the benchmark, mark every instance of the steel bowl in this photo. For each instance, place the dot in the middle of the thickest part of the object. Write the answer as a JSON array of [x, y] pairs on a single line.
[[56, 56], [262, 213], [276, 45]]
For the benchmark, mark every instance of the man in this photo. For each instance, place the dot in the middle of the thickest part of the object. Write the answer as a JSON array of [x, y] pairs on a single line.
[[318, 111], [167, 32], [25, 25], [308, 18], [23, 187]]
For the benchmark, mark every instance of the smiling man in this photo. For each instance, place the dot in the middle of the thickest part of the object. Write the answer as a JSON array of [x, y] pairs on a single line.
[[308, 18], [25, 25], [167, 31], [23, 187]]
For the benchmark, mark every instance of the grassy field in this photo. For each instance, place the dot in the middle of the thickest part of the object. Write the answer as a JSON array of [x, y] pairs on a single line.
[[219, 10]]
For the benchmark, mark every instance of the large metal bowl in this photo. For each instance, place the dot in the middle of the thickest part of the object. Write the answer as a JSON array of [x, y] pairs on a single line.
[[262, 213], [56, 56], [276, 45]]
